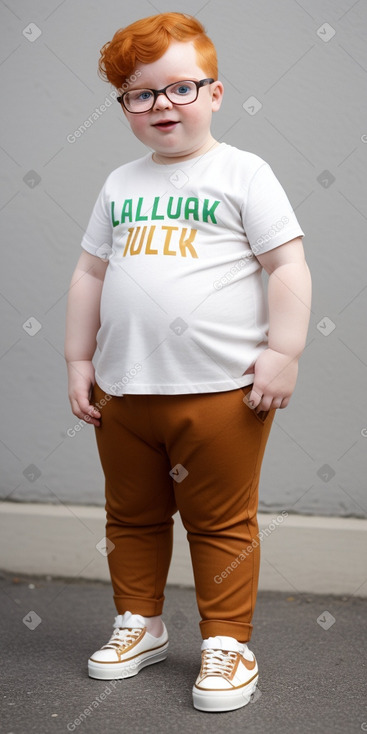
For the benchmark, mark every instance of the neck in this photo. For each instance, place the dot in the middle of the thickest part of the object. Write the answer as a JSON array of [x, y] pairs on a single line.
[[166, 160]]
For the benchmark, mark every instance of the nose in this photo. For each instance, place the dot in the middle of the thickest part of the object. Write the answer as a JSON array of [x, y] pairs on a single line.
[[162, 103]]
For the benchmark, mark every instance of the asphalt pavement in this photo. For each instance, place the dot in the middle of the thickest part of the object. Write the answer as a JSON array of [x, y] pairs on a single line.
[[311, 652]]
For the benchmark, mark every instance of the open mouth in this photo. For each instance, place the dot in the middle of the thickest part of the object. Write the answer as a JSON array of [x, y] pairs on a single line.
[[165, 125]]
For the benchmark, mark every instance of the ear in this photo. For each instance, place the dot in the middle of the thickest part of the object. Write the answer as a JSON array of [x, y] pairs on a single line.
[[217, 91]]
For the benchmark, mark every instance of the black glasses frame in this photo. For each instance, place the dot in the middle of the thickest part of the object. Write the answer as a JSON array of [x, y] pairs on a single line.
[[157, 92]]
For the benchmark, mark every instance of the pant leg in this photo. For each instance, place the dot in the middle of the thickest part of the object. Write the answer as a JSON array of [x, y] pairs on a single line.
[[139, 503], [220, 442]]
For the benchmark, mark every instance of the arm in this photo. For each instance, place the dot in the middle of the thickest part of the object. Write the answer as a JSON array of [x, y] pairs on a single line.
[[289, 299], [82, 324]]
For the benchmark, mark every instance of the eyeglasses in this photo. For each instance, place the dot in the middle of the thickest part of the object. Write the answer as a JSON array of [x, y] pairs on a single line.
[[143, 100]]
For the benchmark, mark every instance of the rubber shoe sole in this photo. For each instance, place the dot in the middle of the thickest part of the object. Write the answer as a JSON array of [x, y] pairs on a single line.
[[214, 701], [127, 668]]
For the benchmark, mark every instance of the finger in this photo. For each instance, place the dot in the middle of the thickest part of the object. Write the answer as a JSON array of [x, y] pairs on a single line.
[[254, 398], [264, 403], [277, 403], [91, 416], [285, 402], [270, 403], [88, 409]]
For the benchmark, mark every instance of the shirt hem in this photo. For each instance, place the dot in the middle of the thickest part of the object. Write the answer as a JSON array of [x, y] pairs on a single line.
[[180, 389]]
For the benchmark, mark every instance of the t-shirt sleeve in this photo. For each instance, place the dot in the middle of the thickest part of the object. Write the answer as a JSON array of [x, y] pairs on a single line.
[[97, 238], [267, 215]]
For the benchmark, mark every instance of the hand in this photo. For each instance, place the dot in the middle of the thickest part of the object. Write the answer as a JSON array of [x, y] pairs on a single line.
[[275, 380], [81, 380]]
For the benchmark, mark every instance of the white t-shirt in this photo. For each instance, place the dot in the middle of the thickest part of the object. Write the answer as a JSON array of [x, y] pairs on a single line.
[[183, 309]]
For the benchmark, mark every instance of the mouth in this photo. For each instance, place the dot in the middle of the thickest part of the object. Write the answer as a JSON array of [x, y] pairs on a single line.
[[165, 125]]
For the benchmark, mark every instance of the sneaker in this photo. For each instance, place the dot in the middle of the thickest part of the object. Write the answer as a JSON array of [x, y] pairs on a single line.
[[228, 675], [129, 649]]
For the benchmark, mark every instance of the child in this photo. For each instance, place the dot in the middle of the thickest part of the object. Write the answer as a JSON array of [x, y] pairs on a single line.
[[191, 368]]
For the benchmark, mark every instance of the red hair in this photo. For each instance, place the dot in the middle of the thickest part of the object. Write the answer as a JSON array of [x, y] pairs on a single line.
[[147, 40]]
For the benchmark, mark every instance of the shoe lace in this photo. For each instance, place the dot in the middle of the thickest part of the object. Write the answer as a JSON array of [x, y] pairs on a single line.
[[122, 637], [218, 662]]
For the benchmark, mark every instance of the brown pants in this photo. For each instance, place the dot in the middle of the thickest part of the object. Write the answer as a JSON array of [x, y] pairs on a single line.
[[199, 454]]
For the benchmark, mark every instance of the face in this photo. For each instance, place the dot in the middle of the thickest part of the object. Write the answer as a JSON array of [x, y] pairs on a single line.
[[189, 134]]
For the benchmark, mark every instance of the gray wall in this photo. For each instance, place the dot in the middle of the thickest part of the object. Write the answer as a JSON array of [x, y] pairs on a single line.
[[312, 130]]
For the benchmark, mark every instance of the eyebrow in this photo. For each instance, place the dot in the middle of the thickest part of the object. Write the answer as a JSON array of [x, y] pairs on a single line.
[[181, 79]]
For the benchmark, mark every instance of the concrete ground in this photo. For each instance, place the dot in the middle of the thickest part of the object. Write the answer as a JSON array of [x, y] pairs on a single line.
[[311, 651]]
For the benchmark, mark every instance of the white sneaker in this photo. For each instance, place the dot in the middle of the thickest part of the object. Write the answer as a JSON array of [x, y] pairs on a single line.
[[129, 649], [228, 675]]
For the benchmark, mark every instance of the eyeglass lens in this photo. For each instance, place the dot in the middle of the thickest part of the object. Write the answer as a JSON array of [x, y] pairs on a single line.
[[140, 100]]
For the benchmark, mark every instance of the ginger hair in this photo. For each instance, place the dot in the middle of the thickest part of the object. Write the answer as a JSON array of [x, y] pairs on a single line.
[[147, 40]]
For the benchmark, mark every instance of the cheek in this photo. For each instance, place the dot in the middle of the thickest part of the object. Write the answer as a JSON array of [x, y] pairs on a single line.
[[138, 125], [200, 121]]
